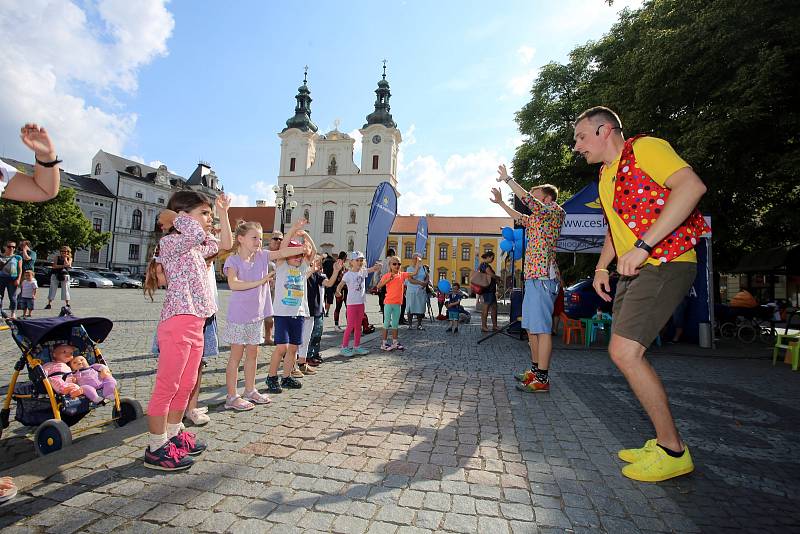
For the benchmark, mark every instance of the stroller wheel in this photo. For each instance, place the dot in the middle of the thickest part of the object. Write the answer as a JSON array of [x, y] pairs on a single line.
[[51, 436], [129, 410]]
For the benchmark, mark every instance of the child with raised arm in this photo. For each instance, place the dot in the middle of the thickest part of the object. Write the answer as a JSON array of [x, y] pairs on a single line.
[[355, 280], [394, 283], [189, 301], [290, 306], [317, 282], [248, 276]]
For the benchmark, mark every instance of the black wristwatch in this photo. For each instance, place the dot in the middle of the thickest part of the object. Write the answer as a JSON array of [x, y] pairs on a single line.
[[644, 246]]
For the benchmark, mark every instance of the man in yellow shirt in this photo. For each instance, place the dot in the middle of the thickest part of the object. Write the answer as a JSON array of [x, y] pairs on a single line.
[[649, 195]]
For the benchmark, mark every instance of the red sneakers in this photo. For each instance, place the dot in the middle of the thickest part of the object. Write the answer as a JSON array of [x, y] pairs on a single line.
[[533, 385]]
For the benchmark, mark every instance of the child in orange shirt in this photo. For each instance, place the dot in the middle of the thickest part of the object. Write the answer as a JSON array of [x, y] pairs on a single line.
[[393, 280]]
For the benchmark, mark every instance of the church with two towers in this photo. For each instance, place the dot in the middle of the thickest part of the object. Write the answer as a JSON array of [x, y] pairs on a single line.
[[331, 191]]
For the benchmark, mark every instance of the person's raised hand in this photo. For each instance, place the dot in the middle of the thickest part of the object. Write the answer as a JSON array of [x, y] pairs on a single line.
[[166, 219], [629, 263], [223, 202], [502, 173], [37, 139], [602, 286], [337, 266], [497, 197]]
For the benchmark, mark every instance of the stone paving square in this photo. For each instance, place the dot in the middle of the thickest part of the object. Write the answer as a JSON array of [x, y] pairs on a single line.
[[433, 439]]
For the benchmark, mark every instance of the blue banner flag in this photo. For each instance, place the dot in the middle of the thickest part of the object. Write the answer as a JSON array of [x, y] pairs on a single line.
[[422, 235], [381, 218]]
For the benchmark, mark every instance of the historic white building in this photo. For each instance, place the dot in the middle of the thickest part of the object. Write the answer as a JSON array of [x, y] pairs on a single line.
[[331, 191], [141, 193]]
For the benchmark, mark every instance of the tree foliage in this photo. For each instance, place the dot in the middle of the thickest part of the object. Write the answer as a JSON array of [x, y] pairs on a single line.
[[49, 225], [715, 79]]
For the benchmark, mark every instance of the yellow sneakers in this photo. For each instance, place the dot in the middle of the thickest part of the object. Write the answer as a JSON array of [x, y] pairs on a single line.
[[656, 465], [634, 455]]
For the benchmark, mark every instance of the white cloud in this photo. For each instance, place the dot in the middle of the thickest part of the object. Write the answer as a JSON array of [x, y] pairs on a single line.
[[55, 59], [459, 186], [520, 85], [526, 54], [263, 189], [238, 200], [356, 134]]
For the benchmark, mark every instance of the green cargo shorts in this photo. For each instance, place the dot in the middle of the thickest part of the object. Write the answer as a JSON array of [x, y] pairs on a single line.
[[644, 303]]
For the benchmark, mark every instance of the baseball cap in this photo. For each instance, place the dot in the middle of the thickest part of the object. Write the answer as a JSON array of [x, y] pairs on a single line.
[[356, 255], [277, 234]]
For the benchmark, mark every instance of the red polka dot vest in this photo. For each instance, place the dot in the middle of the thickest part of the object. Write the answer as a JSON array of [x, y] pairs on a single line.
[[638, 200]]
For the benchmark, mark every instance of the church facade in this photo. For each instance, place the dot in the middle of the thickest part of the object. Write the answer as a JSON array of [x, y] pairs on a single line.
[[331, 191]]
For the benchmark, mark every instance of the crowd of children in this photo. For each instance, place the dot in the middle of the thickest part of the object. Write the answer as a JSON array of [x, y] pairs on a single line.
[[186, 333]]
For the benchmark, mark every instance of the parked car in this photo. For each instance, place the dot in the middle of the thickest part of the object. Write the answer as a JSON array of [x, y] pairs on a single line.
[[581, 300], [90, 279], [42, 275], [121, 280]]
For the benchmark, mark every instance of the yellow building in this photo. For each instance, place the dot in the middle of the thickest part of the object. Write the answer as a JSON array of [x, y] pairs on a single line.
[[453, 245]]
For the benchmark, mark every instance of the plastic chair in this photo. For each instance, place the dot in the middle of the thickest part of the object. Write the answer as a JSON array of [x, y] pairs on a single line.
[[790, 342], [572, 326]]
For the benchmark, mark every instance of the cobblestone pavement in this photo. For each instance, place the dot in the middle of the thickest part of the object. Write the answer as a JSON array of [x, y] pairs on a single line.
[[435, 439]]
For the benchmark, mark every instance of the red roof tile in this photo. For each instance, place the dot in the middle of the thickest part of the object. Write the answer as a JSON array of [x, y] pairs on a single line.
[[262, 214], [439, 225]]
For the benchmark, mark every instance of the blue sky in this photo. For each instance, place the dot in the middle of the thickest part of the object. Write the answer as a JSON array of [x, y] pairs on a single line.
[[187, 80]]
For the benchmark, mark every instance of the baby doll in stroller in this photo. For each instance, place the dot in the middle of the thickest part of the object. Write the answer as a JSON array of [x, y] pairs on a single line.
[[73, 376]]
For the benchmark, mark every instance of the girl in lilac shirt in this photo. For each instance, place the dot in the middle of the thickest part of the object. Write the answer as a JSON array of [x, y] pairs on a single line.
[[248, 276]]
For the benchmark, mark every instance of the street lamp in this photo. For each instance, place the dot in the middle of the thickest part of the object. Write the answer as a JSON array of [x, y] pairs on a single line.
[[282, 195]]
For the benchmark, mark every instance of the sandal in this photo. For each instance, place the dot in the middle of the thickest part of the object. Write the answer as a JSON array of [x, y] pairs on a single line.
[[238, 403], [256, 398]]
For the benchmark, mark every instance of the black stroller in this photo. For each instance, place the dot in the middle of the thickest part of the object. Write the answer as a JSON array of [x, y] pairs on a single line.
[[38, 405]]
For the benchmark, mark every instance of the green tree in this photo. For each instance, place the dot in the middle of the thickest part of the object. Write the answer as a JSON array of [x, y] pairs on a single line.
[[714, 78], [48, 225]]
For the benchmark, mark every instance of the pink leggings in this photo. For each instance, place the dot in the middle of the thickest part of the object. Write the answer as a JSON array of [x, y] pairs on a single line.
[[355, 314], [180, 344]]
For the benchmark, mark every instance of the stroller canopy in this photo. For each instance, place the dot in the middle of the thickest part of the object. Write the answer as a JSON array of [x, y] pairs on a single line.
[[38, 331]]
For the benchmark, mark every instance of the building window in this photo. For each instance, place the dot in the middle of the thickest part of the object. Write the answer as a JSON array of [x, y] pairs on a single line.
[[160, 200], [94, 256], [487, 248], [139, 195], [465, 277], [156, 226], [136, 220], [292, 164], [133, 252], [442, 274], [374, 162], [442, 252], [97, 224], [327, 225], [307, 215], [97, 169], [352, 215], [287, 218], [465, 252], [351, 245], [409, 251]]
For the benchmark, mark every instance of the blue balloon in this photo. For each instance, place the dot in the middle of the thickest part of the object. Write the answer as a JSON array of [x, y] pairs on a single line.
[[518, 253], [506, 245], [444, 286], [518, 234], [508, 233], [518, 244]]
